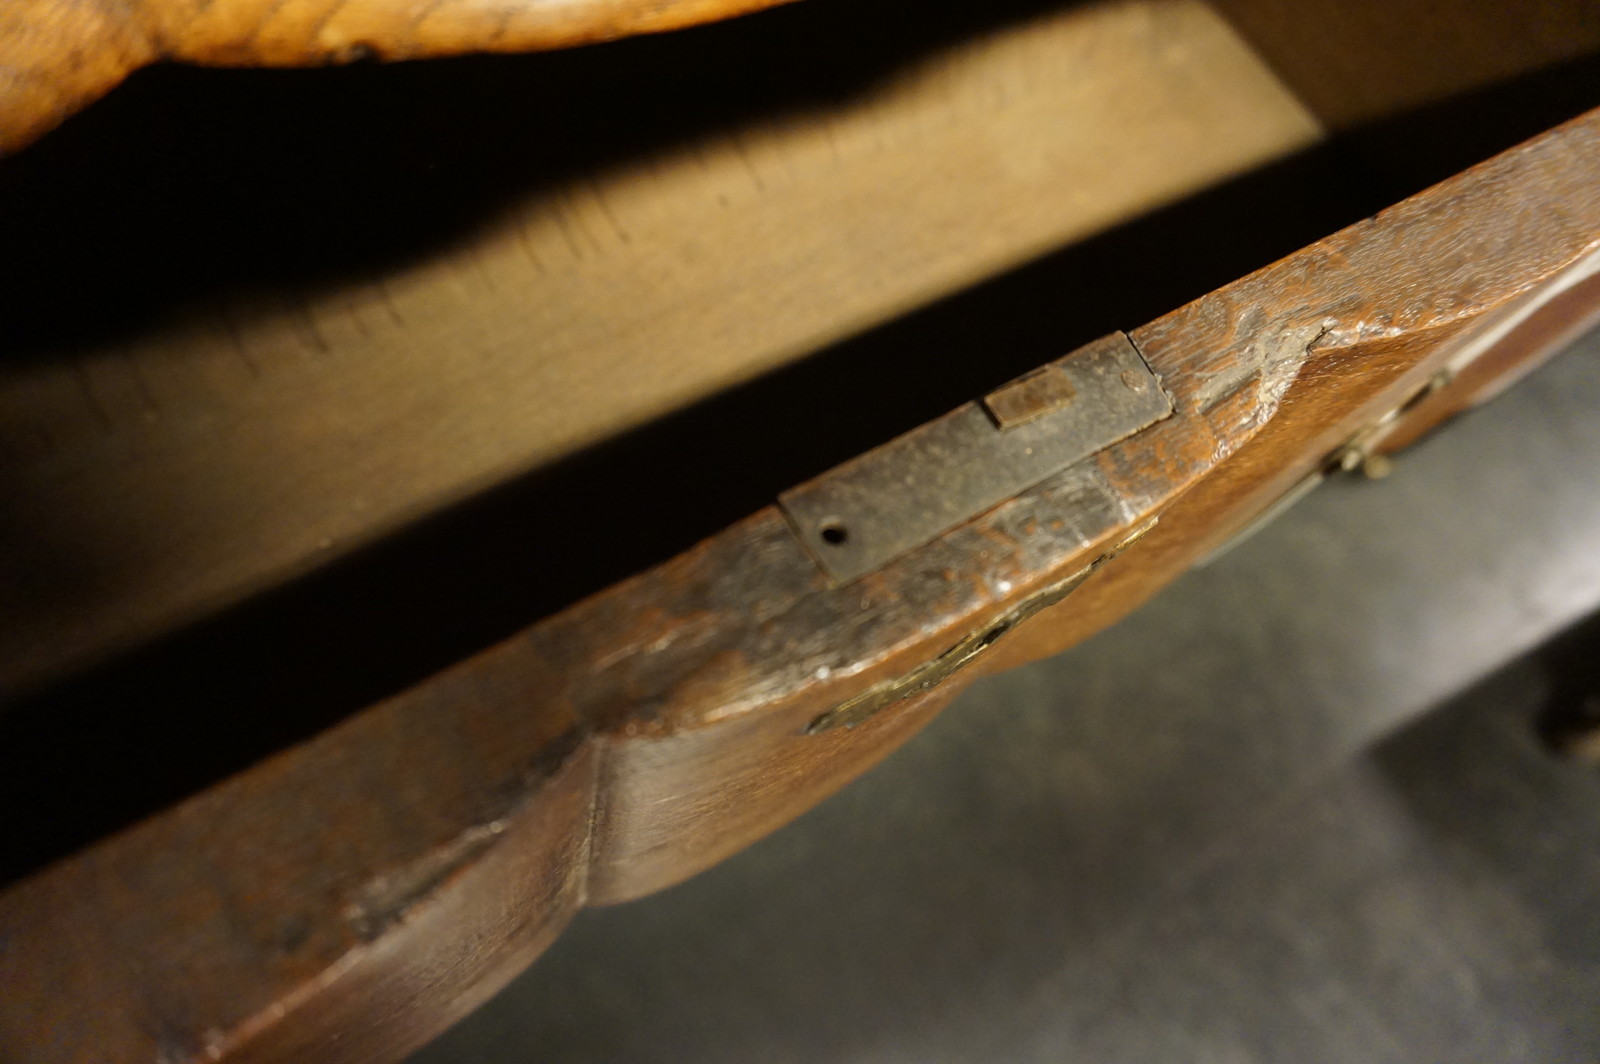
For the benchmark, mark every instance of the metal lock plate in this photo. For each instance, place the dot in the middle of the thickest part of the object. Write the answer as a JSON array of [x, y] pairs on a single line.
[[870, 510]]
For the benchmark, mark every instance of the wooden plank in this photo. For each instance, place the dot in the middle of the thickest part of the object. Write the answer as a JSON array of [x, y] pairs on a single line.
[[261, 915], [184, 466]]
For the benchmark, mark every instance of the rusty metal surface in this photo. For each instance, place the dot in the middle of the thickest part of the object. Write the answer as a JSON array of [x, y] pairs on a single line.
[[874, 508], [1030, 397]]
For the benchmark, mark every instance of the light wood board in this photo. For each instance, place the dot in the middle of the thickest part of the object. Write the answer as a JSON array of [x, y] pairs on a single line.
[[219, 454]]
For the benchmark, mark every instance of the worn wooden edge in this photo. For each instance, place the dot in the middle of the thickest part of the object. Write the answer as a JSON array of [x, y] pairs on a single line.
[[409, 860], [58, 56], [1323, 341]]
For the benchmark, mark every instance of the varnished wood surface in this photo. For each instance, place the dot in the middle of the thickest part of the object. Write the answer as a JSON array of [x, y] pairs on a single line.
[[57, 56], [200, 446], [641, 735]]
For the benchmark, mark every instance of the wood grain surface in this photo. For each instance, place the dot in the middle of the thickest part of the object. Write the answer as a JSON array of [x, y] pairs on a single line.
[[218, 443], [56, 56], [355, 893]]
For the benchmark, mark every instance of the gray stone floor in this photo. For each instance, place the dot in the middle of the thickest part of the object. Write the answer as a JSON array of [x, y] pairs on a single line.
[[1293, 810]]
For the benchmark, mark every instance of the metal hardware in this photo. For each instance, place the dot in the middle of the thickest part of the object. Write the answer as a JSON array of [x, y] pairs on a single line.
[[865, 513], [1030, 397], [931, 674], [1361, 451]]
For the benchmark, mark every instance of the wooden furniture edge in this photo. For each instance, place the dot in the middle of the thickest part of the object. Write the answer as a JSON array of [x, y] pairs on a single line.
[[351, 896]]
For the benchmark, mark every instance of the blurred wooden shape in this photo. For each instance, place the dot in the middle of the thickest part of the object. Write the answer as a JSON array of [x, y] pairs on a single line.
[[58, 56]]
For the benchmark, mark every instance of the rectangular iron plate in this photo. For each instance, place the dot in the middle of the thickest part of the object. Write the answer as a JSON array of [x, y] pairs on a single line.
[[868, 511]]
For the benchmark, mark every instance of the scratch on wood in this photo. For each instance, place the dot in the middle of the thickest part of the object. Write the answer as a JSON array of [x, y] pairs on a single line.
[[502, 24], [559, 212], [231, 327], [257, 31], [152, 408], [353, 316], [384, 900], [306, 320], [608, 214], [525, 242], [572, 196], [387, 298], [314, 34], [97, 408], [417, 19], [749, 164]]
